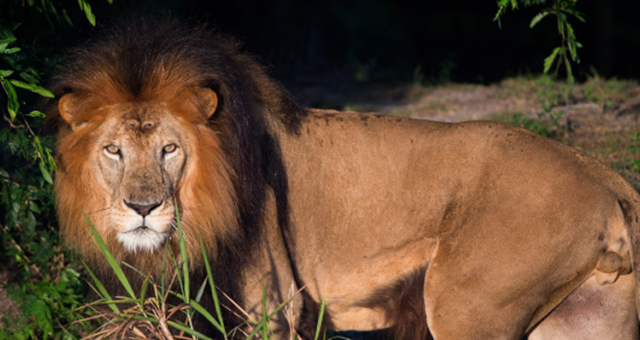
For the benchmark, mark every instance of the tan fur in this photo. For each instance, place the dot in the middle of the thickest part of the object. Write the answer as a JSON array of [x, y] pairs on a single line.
[[476, 230]]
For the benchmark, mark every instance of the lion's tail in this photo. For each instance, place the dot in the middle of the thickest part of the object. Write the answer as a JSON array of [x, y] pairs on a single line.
[[631, 210]]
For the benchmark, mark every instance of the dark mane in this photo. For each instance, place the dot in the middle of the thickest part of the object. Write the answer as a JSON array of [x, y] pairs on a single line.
[[147, 57]]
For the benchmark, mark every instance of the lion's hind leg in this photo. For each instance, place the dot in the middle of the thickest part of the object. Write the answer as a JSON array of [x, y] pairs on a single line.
[[593, 312]]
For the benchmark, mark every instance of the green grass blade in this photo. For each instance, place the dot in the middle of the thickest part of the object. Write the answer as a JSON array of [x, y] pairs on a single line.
[[102, 290], [162, 273], [320, 316], [214, 295], [110, 258], [183, 254], [135, 270], [201, 291], [258, 328], [188, 330], [198, 307], [265, 317], [143, 292], [176, 266]]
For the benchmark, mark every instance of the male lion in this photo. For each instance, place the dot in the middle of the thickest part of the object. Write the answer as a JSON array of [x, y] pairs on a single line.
[[467, 231]]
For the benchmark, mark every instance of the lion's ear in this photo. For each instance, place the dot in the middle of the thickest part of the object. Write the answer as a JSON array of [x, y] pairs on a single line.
[[207, 101], [68, 108]]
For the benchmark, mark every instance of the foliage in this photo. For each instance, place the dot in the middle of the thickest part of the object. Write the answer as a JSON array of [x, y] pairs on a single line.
[[48, 291], [563, 10], [46, 306], [53, 11]]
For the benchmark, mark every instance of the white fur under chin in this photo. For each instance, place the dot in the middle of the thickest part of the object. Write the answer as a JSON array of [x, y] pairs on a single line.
[[139, 240]]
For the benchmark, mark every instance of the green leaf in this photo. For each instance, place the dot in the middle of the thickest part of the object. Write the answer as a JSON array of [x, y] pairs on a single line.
[[28, 77], [574, 13], [45, 173], [537, 18], [36, 114], [569, 71], [12, 103], [66, 17], [4, 43], [570, 34], [548, 61], [7, 41], [5, 73], [34, 207], [10, 50], [84, 6], [33, 88]]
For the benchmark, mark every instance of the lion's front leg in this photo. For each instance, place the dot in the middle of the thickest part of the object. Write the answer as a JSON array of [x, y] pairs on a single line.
[[270, 274], [593, 312]]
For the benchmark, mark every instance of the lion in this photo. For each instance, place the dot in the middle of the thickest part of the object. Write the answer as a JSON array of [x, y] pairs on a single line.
[[475, 230]]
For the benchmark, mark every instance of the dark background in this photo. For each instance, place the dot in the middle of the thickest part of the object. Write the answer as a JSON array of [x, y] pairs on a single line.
[[380, 40]]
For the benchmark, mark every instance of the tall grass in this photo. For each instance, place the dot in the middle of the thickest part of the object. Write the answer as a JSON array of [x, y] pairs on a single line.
[[150, 313]]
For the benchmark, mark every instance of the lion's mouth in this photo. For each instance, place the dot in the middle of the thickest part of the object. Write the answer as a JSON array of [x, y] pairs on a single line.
[[141, 230], [141, 238]]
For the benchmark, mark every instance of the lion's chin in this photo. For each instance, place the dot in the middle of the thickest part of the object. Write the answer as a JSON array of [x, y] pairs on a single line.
[[141, 239]]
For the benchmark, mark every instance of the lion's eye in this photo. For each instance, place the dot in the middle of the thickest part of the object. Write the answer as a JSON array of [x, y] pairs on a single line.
[[169, 148], [112, 149]]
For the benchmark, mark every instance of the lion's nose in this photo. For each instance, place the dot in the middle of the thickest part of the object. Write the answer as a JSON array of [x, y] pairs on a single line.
[[142, 209]]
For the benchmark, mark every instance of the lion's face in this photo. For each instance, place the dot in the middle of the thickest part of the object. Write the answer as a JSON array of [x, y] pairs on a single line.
[[140, 157], [128, 162]]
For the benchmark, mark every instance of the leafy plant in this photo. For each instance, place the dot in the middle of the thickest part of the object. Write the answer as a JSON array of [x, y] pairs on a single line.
[[49, 290], [46, 306], [563, 10]]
